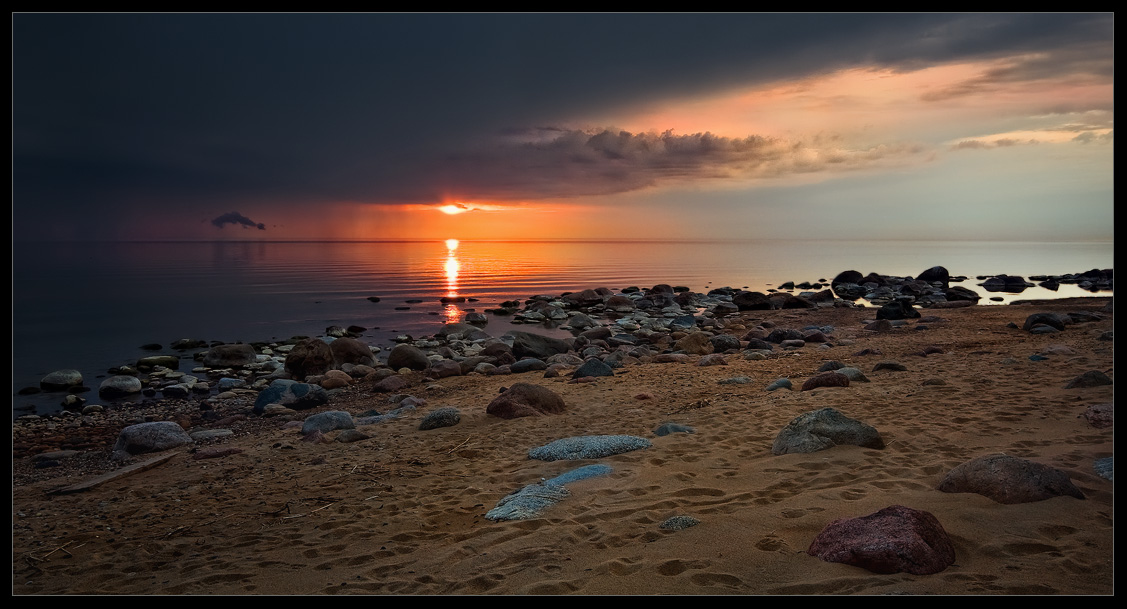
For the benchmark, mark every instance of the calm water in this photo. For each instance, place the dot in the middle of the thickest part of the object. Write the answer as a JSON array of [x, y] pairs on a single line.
[[90, 306]]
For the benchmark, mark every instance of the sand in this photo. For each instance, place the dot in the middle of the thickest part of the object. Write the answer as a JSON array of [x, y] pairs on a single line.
[[403, 513]]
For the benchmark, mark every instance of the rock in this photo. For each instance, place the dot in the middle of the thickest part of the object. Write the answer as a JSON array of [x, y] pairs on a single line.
[[443, 369], [348, 350], [854, 375], [695, 343], [325, 422], [588, 447], [442, 417], [893, 540], [390, 384], [1091, 378], [889, 365], [1048, 319], [667, 428], [119, 386], [168, 361], [149, 437], [826, 379], [713, 359], [528, 344], [407, 356], [779, 384], [1099, 416], [897, 309], [528, 364], [237, 355], [1105, 468], [935, 274], [678, 523], [531, 500], [60, 380], [291, 394], [821, 429], [1008, 480], [525, 399], [309, 357], [593, 367]]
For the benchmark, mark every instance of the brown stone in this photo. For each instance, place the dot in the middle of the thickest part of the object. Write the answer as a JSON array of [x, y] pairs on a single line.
[[525, 399], [1009, 480]]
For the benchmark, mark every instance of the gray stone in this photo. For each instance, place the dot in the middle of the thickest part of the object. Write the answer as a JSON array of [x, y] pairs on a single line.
[[1009, 480], [327, 421], [588, 447], [149, 437], [442, 417], [822, 429]]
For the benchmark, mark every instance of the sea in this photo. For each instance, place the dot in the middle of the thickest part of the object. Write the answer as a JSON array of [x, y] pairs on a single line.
[[91, 306]]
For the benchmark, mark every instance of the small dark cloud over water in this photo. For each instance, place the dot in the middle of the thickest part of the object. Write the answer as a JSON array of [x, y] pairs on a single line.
[[235, 217]]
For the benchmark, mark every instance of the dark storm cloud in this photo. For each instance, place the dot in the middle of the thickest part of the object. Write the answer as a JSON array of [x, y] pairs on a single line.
[[559, 162], [235, 217], [214, 108]]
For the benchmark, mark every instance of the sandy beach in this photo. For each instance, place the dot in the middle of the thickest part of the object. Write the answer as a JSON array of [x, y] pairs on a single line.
[[404, 511]]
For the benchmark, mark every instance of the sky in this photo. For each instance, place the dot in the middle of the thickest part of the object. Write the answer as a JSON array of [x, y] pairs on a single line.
[[562, 126]]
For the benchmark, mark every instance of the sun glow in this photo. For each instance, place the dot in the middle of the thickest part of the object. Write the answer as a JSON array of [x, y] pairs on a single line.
[[453, 208], [451, 244]]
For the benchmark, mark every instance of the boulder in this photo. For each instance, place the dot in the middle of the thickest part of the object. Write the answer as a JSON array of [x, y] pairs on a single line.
[[893, 540], [119, 385], [821, 429], [292, 394], [935, 274], [695, 343], [528, 344], [149, 437], [349, 350], [1091, 378], [587, 447], [235, 355], [310, 356], [60, 380], [407, 356], [525, 399], [826, 379], [593, 367], [442, 417], [1008, 480], [327, 421]]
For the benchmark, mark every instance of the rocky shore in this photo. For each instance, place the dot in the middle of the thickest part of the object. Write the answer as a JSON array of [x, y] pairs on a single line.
[[688, 413]]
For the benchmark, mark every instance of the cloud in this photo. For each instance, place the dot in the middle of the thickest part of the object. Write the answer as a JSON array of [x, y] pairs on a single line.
[[559, 162], [235, 217]]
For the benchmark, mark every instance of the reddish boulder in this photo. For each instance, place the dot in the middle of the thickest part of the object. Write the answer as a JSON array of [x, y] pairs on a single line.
[[1099, 416], [1008, 480], [893, 540], [524, 400]]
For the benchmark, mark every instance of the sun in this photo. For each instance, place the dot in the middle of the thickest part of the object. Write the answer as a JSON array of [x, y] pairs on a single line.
[[453, 208]]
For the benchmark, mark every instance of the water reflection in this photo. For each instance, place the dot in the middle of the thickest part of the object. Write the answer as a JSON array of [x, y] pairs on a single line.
[[451, 266]]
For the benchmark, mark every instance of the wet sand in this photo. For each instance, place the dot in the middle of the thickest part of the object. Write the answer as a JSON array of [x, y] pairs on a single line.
[[403, 512]]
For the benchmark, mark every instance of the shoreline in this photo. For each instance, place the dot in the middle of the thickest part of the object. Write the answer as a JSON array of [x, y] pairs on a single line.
[[403, 511]]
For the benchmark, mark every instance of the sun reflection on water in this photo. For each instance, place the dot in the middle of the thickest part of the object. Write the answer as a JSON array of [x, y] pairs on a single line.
[[451, 266]]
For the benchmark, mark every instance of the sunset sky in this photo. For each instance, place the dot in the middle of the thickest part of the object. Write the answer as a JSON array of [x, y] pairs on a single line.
[[545, 126]]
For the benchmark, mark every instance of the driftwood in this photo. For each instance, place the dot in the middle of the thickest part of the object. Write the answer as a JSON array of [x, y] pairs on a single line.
[[114, 475]]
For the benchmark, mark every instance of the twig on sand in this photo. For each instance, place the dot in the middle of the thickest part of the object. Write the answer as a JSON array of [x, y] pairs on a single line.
[[62, 548], [458, 446], [310, 511]]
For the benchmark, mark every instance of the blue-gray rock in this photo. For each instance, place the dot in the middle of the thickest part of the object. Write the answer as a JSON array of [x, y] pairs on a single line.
[[533, 499], [853, 374], [327, 421], [1105, 468], [780, 384], [119, 386], [60, 380], [152, 361], [528, 364], [588, 447], [291, 394], [149, 437], [678, 523], [593, 367], [667, 428], [442, 417], [821, 429]]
